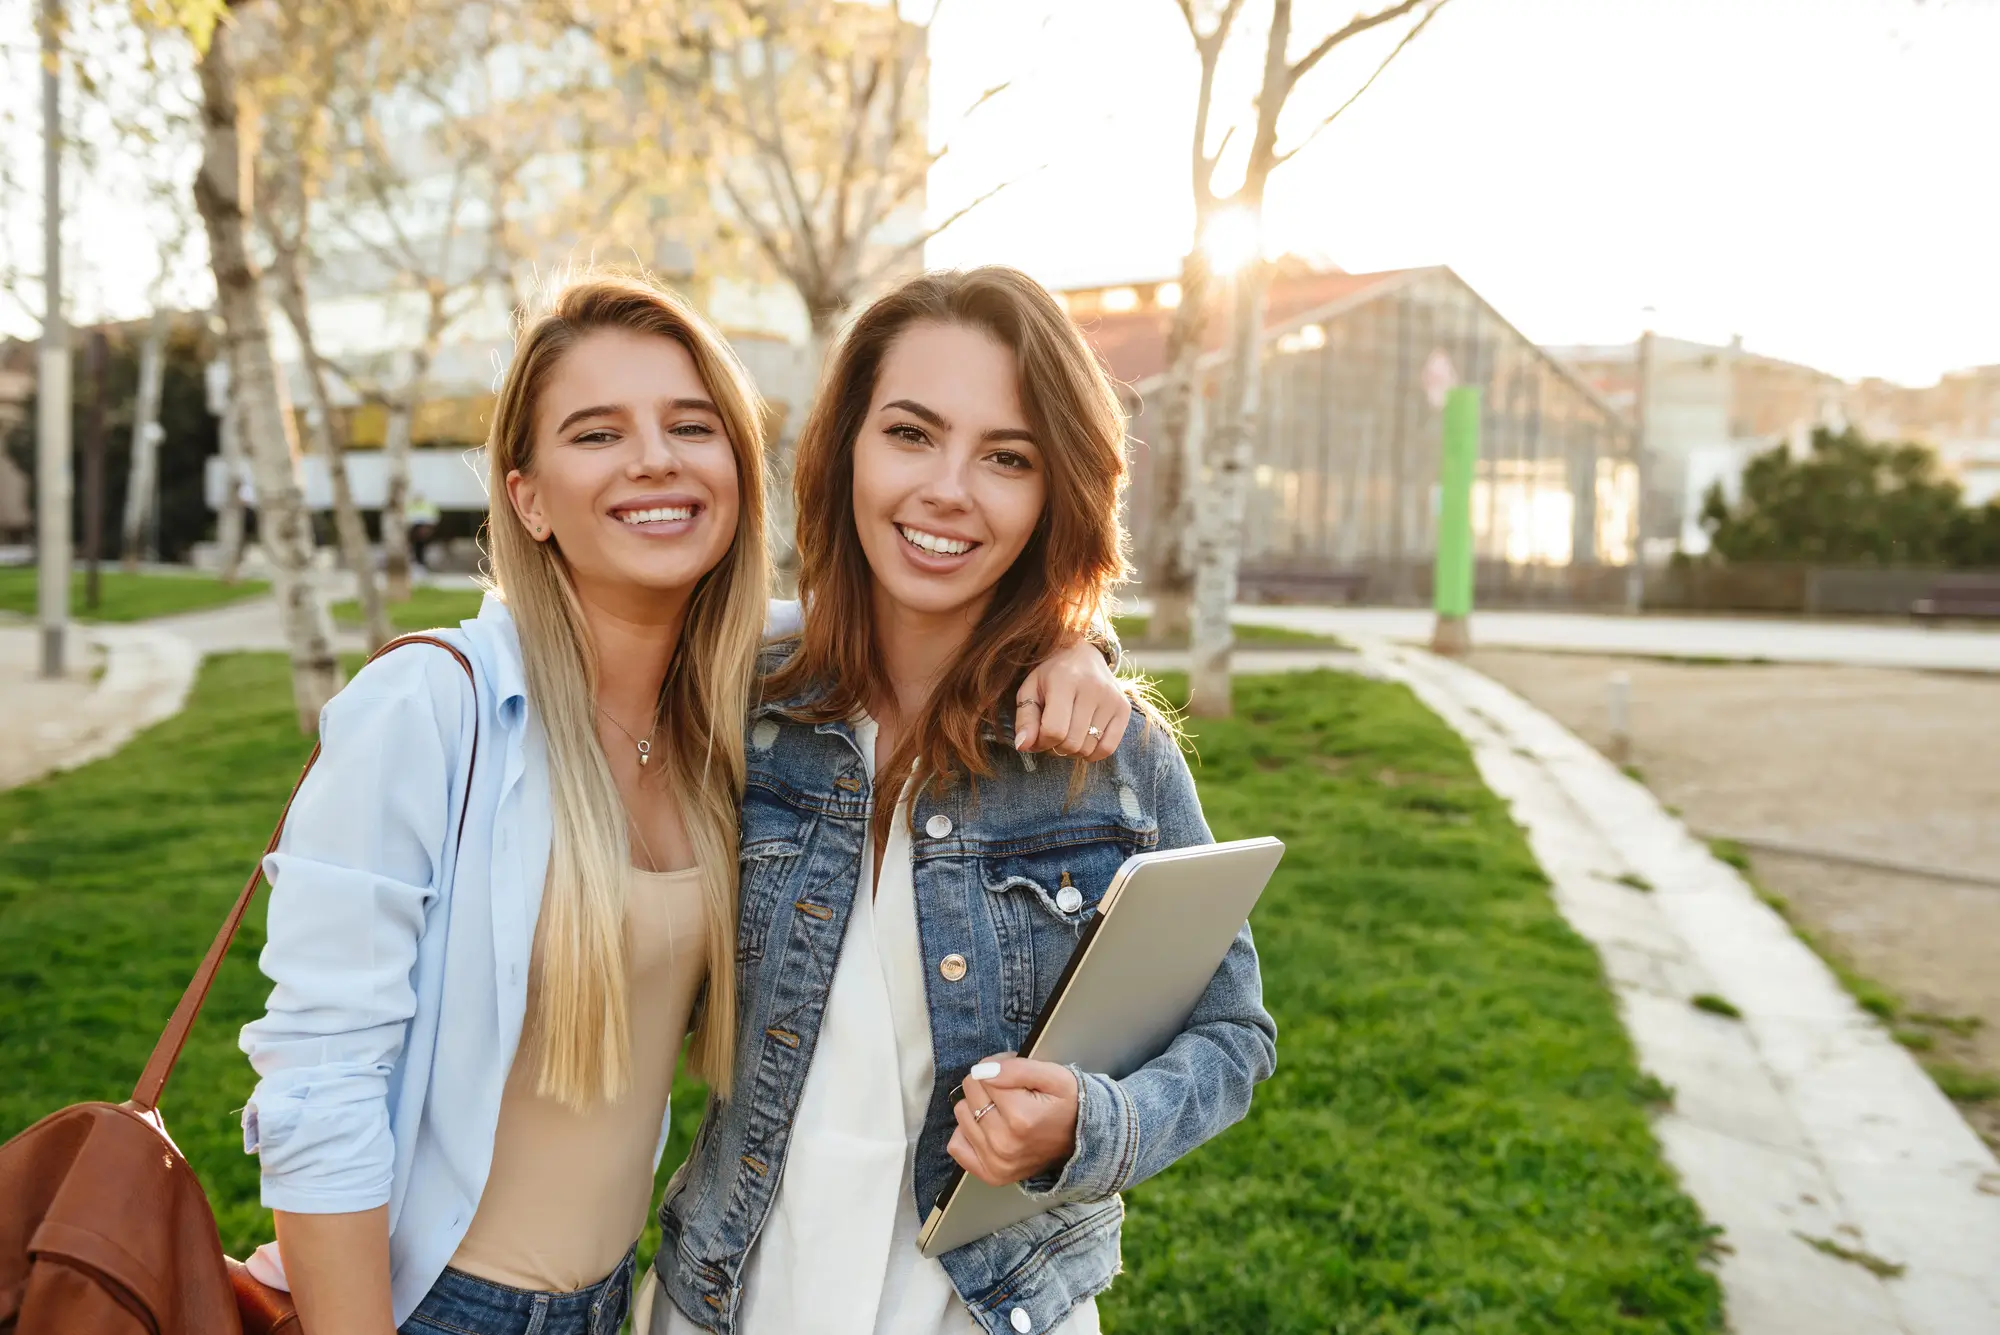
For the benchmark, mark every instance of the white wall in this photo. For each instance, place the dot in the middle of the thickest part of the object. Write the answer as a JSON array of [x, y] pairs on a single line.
[[452, 479]]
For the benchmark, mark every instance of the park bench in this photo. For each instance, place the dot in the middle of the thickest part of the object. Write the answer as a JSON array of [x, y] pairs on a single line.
[[1963, 597], [1254, 585]]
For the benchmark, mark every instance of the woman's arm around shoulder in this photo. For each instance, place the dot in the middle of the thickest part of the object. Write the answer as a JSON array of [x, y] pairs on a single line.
[[353, 874]]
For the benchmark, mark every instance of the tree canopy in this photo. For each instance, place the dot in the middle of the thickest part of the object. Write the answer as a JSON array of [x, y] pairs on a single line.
[[1850, 500]]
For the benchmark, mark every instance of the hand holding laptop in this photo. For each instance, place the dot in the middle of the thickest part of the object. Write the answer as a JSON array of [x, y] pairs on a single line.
[[1162, 928], [1017, 1119]]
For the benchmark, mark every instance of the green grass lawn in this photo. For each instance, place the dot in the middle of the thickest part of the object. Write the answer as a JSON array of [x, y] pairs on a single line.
[[128, 597], [1455, 1141], [1132, 631], [426, 609]]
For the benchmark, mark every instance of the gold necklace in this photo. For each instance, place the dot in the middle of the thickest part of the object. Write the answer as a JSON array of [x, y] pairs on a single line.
[[645, 746]]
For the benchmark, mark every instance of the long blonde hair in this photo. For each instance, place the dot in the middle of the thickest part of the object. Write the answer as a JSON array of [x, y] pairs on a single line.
[[578, 1011]]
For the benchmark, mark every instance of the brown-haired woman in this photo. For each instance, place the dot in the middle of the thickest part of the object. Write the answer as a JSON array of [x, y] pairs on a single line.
[[911, 886], [484, 972]]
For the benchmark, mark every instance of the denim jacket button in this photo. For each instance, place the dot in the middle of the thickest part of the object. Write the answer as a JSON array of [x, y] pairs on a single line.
[[1069, 899], [1020, 1320], [952, 967], [938, 826]]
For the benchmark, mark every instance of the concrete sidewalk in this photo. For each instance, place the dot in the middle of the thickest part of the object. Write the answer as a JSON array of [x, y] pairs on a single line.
[[123, 679], [250, 626], [1949, 648], [1854, 1198]]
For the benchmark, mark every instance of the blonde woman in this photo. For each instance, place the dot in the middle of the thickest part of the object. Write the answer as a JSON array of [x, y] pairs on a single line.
[[484, 967]]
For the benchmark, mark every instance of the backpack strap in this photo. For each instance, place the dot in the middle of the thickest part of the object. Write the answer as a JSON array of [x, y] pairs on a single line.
[[146, 1094]]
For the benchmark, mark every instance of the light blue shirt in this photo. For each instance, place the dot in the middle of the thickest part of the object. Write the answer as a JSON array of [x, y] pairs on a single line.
[[398, 947]]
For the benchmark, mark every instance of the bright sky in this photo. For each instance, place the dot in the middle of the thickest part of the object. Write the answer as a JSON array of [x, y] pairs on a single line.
[[1816, 175]]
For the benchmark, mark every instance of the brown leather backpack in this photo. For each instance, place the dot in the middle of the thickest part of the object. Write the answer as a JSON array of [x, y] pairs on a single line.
[[104, 1229]]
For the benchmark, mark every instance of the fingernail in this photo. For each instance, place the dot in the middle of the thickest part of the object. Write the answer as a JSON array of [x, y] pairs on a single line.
[[1020, 739], [984, 1071]]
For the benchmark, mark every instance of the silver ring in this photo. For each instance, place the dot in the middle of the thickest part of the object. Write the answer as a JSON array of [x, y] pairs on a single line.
[[982, 1112], [1028, 704], [1093, 731]]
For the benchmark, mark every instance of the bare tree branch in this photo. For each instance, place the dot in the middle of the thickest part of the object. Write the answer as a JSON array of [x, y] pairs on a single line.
[[1387, 60], [917, 243], [810, 116], [1356, 26], [892, 132], [759, 235], [1208, 47], [861, 90], [779, 152]]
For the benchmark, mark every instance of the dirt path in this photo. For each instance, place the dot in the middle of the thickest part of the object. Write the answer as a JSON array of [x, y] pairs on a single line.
[[1903, 766]]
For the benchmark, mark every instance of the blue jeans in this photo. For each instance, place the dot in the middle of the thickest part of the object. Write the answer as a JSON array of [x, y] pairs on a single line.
[[460, 1304]]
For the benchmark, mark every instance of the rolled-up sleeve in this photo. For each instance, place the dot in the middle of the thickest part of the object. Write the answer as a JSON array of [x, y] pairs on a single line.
[[1128, 1130], [350, 882]]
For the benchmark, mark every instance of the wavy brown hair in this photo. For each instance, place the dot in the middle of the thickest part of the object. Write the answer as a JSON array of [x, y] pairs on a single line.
[[1056, 588], [577, 1024]]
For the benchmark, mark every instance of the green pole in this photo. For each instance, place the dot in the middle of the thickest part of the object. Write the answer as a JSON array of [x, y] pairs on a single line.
[[1453, 582]]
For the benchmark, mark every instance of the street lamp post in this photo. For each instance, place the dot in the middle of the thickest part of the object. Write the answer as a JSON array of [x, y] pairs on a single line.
[[52, 391]]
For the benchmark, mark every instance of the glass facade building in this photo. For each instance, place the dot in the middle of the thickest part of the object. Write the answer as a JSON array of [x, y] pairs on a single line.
[[1349, 440]]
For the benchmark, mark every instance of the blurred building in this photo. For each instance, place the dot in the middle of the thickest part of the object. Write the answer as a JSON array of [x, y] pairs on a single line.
[[1707, 409], [1349, 436], [368, 313], [1959, 416]]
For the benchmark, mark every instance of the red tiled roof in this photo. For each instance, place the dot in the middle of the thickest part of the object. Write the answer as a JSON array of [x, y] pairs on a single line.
[[1134, 343]]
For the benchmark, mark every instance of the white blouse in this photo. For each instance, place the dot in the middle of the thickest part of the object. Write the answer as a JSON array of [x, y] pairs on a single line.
[[838, 1253]]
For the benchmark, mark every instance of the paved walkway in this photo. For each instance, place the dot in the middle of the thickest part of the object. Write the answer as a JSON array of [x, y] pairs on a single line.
[[1854, 1198], [1865, 796], [1948, 648], [251, 626], [123, 679], [126, 678]]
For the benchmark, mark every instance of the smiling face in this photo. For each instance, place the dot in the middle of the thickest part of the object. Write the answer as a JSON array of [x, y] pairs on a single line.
[[633, 475], [949, 482]]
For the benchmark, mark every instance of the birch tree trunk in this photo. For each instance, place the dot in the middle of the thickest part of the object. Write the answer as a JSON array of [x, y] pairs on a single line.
[[1169, 569], [1225, 495], [355, 553], [781, 524], [1176, 460], [1225, 492], [221, 194], [144, 470], [396, 454], [396, 499], [229, 519]]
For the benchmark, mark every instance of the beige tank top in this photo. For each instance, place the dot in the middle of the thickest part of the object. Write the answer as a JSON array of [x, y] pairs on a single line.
[[568, 1191]]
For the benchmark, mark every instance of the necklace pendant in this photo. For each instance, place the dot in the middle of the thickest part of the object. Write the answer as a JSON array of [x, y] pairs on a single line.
[[645, 752]]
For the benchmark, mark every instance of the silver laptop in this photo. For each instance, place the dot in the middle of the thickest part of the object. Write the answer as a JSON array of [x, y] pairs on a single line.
[[1163, 926]]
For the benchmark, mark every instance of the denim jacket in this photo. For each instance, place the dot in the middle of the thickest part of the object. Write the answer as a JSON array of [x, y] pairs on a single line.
[[988, 865]]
